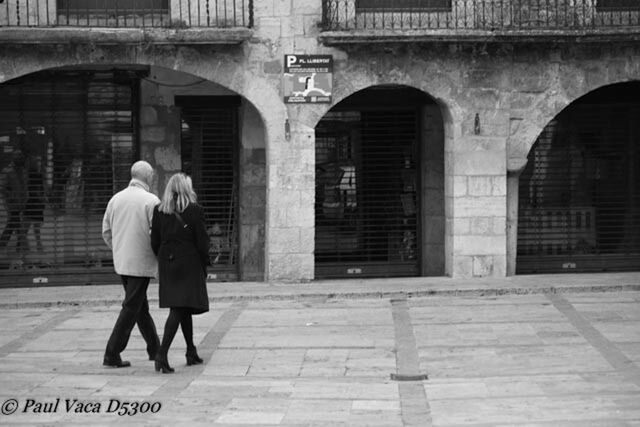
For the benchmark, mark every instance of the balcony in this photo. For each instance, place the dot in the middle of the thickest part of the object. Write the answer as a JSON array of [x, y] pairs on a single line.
[[126, 21], [384, 21]]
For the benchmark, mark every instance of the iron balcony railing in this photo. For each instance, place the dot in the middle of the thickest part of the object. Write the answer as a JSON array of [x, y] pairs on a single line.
[[492, 15], [127, 13]]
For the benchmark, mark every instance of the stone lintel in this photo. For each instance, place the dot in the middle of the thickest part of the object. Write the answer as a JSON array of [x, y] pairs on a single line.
[[107, 36], [590, 35]]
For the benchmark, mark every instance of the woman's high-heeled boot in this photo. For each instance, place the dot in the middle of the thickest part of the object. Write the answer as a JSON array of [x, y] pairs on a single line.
[[162, 364], [192, 356]]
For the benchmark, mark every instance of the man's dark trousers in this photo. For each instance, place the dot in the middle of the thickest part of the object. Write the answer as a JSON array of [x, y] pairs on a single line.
[[135, 309]]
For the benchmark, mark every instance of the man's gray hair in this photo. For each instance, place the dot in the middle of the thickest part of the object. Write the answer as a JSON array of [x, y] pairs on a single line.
[[143, 171]]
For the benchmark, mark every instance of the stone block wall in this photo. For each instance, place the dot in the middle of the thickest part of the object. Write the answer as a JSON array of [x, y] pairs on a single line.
[[478, 170], [291, 206]]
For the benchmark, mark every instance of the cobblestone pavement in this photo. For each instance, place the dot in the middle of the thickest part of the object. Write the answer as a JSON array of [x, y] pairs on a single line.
[[555, 359]]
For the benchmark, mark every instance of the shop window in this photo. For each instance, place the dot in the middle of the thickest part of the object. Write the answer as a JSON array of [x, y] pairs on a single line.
[[617, 5], [403, 5]]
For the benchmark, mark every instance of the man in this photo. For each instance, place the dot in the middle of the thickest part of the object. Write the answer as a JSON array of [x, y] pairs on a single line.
[[125, 229]]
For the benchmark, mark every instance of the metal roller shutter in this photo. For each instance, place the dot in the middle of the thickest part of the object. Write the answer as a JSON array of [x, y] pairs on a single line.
[[580, 192], [366, 187], [77, 133], [209, 149]]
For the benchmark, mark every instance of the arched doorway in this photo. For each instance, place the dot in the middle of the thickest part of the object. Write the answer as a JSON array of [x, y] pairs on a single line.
[[68, 140], [78, 130], [379, 208], [579, 195]]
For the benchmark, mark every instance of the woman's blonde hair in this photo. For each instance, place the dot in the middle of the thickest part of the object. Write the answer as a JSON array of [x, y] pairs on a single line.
[[177, 194]]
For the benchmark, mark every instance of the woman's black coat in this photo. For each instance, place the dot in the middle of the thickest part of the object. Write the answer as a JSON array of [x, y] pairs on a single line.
[[183, 256]]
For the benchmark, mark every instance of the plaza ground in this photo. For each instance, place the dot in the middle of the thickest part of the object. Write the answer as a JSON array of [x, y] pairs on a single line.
[[556, 350]]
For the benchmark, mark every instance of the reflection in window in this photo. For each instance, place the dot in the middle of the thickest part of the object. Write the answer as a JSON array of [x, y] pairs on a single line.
[[75, 131]]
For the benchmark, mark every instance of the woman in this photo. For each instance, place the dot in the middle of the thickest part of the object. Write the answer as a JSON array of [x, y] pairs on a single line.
[[180, 241]]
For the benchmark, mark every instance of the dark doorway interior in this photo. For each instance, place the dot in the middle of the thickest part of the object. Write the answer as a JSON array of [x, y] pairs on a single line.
[[369, 185], [209, 152], [579, 196], [76, 132]]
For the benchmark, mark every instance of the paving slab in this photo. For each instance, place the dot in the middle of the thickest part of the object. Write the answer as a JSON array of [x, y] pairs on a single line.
[[384, 353]]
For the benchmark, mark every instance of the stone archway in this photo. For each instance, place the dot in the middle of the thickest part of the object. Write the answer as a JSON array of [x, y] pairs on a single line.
[[380, 186], [124, 112], [579, 203], [216, 114], [525, 126]]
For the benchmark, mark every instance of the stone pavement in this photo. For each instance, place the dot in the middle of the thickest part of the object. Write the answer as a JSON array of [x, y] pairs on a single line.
[[526, 351]]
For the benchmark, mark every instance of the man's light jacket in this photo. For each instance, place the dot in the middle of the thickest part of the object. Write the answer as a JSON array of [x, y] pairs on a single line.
[[125, 229]]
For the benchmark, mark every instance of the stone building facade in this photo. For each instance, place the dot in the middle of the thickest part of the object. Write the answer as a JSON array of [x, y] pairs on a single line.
[[487, 98]]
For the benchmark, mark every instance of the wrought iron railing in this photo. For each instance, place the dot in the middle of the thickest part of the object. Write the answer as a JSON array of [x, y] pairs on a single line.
[[126, 13], [493, 15]]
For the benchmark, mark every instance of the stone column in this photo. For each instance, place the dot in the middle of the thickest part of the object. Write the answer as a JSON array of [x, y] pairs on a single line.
[[513, 179], [252, 194], [290, 199], [515, 168], [478, 197]]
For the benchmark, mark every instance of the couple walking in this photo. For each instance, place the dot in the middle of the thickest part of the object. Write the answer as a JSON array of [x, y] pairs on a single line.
[[148, 235]]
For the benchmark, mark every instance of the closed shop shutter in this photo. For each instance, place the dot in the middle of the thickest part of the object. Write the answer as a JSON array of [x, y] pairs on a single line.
[[366, 194], [209, 149], [579, 195], [77, 133]]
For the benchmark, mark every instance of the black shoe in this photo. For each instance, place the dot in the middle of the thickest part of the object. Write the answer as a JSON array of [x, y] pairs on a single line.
[[114, 362], [192, 357], [162, 364]]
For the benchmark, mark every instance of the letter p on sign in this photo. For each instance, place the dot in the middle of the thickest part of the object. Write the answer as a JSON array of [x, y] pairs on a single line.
[[291, 59]]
